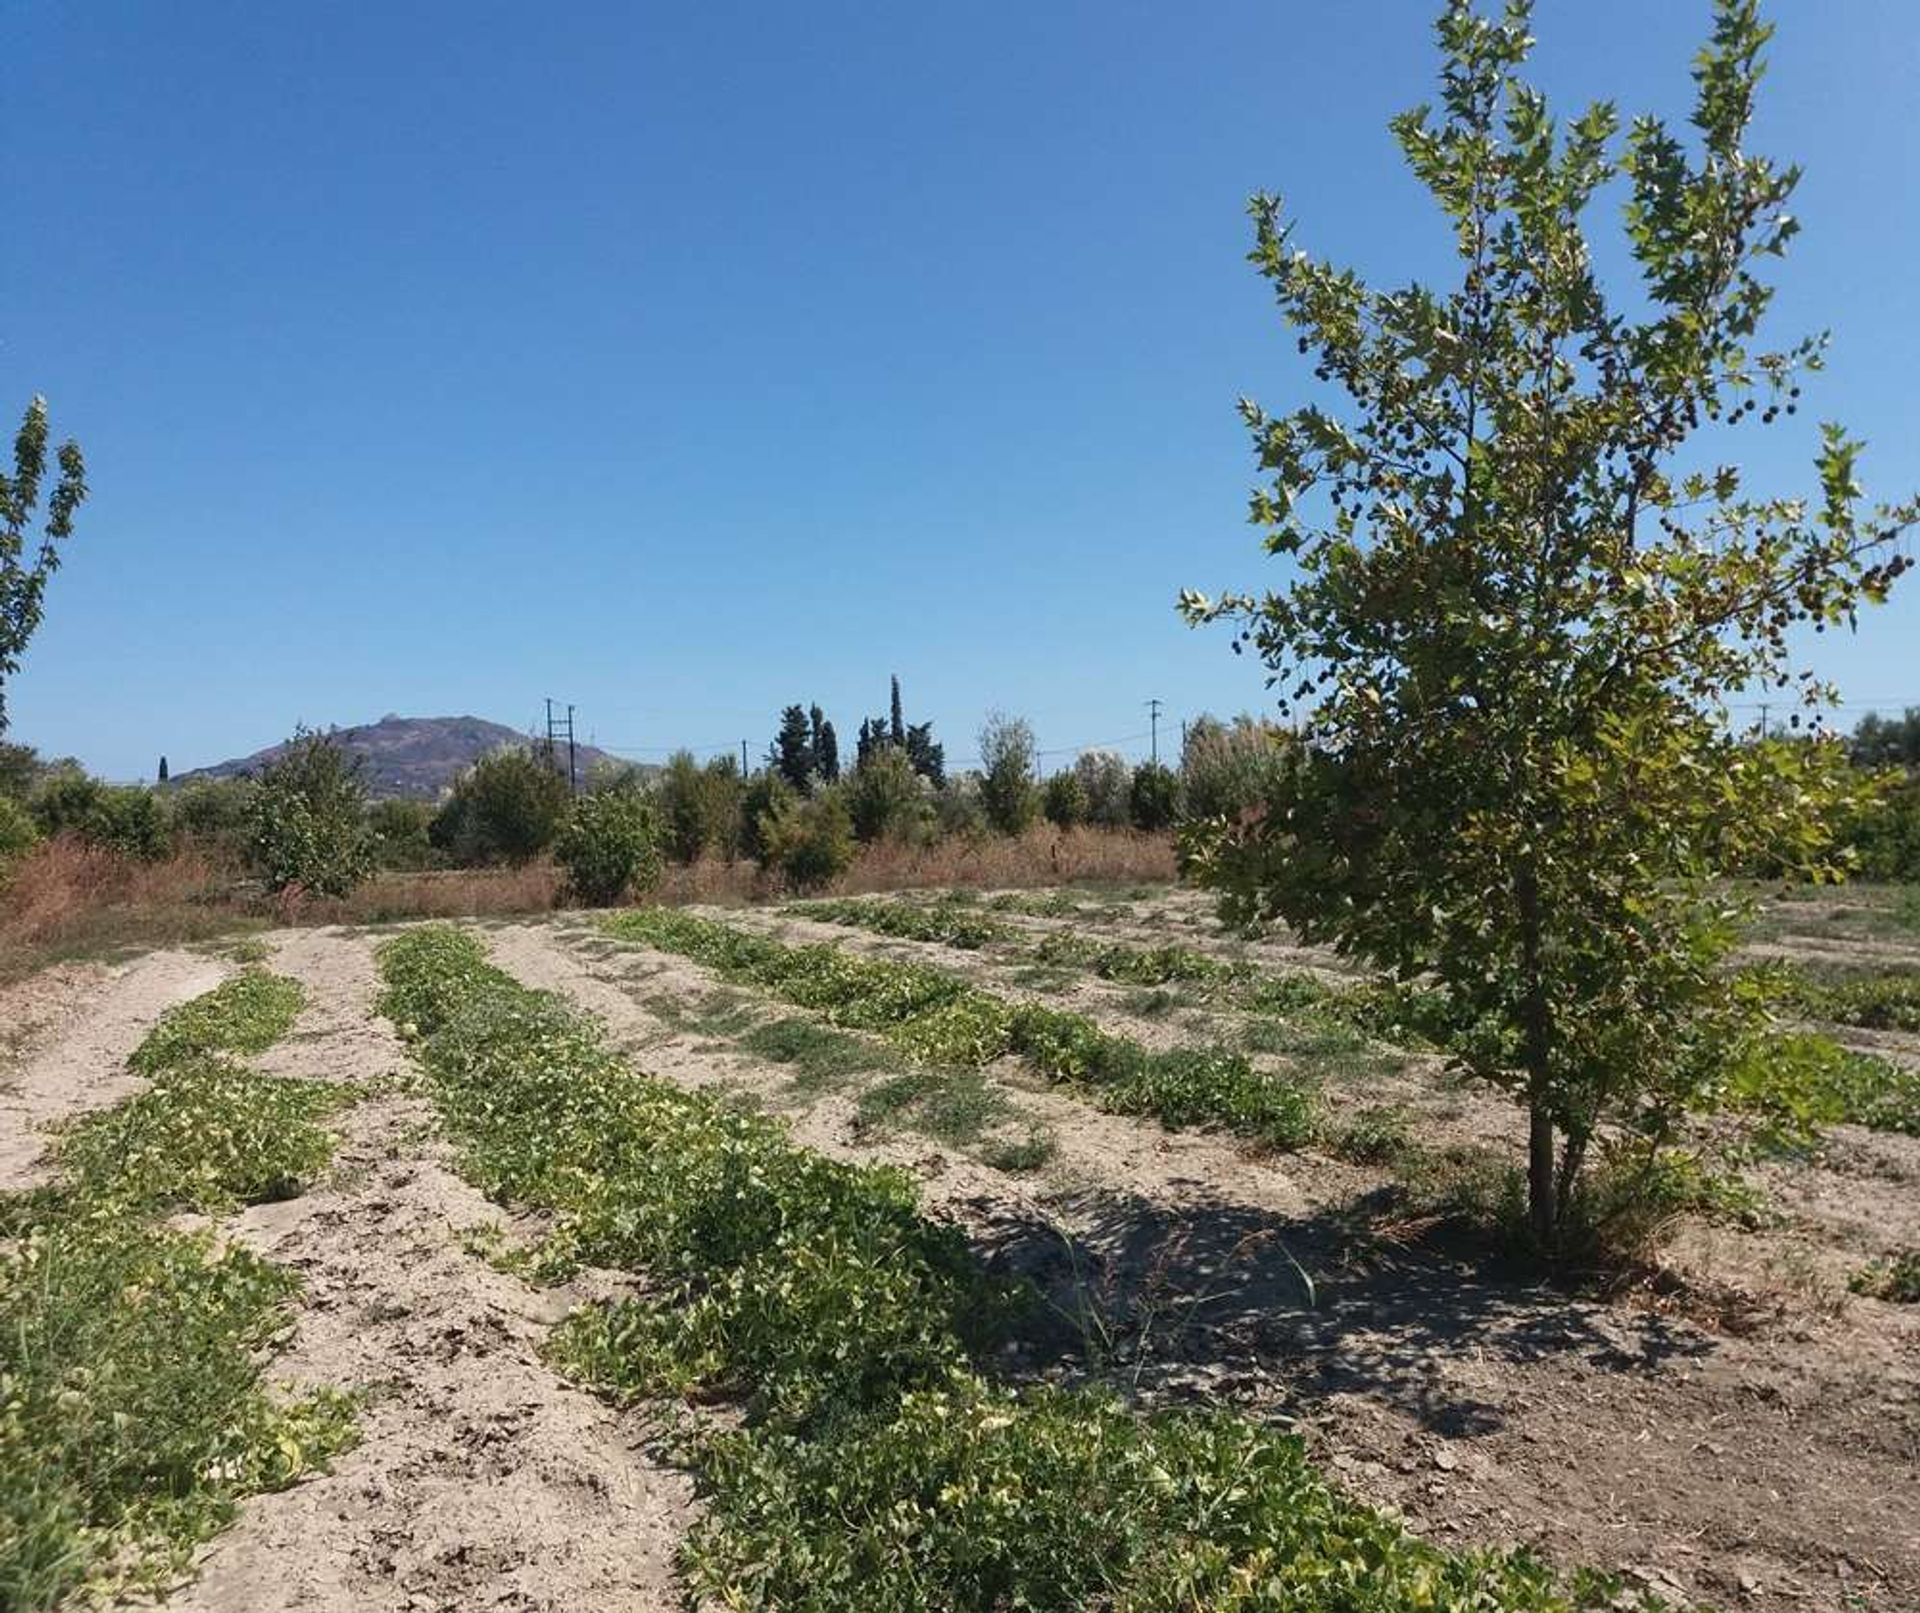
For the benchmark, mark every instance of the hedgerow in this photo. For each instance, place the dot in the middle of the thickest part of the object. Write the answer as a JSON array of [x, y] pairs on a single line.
[[132, 1410], [939, 1018], [879, 1467]]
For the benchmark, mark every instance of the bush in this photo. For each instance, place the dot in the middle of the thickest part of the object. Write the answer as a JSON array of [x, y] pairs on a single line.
[[18, 831], [810, 841], [1007, 791], [609, 847], [506, 808], [957, 806], [1066, 800], [126, 818], [699, 807], [764, 798], [214, 813], [886, 799], [1885, 836], [401, 838], [309, 827], [1155, 796]]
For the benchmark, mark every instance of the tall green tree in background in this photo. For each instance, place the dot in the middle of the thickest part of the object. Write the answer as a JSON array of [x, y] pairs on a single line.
[[23, 579], [1519, 607], [1008, 792], [792, 754], [826, 745]]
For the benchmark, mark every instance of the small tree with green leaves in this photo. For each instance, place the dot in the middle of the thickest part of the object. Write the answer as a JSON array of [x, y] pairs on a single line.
[[1107, 782], [1007, 790], [887, 800], [23, 580], [1518, 607], [809, 839], [1065, 802], [1154, 797], [309, 830], [609, 847], [506, 808]]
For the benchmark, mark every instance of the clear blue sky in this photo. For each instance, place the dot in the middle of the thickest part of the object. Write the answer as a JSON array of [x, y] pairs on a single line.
[[685, 360]]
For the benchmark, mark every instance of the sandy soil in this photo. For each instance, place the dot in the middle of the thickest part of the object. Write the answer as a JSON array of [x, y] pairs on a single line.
[[1772, 1468], [75, 1025], [1769, 1469]]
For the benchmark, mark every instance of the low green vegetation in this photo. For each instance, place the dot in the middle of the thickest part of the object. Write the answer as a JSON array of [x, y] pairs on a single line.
[[1896, 1279], [133, 1412], [878, 1467], [244, 1015], [939, 1019], [943, 922], [1799, 1083], [1874, 999]]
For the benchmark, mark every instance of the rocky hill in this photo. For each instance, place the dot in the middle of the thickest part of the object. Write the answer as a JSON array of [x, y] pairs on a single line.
[[411, 757]]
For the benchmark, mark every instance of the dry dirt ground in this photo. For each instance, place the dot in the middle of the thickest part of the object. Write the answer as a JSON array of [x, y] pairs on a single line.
[[1770, 1460]]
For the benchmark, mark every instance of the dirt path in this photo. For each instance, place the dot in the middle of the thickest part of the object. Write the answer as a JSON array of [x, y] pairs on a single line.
[[481, 1480], [81, 1024], [1773, 1471]]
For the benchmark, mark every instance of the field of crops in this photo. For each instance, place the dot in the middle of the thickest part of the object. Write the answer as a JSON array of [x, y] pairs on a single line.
[[1053, 1250]]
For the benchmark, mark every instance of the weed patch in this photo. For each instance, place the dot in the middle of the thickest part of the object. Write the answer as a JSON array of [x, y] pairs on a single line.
[[1897, 1279]]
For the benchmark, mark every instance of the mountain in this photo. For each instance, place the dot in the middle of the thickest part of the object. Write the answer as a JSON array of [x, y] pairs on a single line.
[[416, 757]]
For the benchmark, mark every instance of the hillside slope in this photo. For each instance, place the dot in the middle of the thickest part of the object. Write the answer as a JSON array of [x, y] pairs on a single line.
[[414, 757]]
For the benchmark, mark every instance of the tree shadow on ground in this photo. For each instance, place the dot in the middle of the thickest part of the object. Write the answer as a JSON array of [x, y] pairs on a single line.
[[1216, 1300]]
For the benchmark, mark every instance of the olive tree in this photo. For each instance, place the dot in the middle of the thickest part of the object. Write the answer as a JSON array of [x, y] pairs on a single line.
[[23, 580], [1525, 585]]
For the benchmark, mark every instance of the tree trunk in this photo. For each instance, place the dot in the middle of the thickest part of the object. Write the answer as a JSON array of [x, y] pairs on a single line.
[[1543, 1201]]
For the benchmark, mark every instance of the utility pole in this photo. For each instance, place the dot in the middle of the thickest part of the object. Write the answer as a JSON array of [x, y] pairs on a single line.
[[557, 728], [743, 758], [1764, 708], [1153, 710]]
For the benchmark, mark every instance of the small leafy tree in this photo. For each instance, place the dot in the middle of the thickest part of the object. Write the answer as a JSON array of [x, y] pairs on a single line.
[[23, 581], [1154, 797], [886, 799], [1107, 782], [699, 807], [1230, 768], [609, 847], [1517, 614], [809, 840], [765, 797], [1007, 790], [400, 831], [506, 808], [1066, 800], [309, 828]]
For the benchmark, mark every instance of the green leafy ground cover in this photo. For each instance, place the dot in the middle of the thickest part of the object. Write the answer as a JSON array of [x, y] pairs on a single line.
[[938, 1018], [133, 1413], [878, 1467]]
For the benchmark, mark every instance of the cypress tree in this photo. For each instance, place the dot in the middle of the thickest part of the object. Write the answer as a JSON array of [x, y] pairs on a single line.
[[898, 728], [792, 754]]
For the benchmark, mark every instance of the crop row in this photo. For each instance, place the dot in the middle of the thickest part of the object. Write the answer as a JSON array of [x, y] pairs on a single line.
[[939, 1018], [133, 1414], [1398, 1013], [878, 1466]]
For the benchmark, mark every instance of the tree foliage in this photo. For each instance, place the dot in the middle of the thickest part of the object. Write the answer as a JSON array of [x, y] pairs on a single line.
[[1154, 796], [1519, 605], [887, 800], [792, 754], [1007, 790], [309, 828], [1065, 800], [1107, 782], [23, 579], [609, 847], [506, 808]]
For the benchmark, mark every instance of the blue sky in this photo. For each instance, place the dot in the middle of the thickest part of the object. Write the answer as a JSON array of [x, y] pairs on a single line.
[[684, 360]]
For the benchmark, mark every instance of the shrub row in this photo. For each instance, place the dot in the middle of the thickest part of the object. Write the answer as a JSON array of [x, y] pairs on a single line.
[[133, 1414], [940, 1019], [878, 1468]]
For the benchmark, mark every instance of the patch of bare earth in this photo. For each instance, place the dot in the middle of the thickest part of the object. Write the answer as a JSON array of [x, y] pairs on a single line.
[[1771, 1469], [481, 1479], [72, 1028]]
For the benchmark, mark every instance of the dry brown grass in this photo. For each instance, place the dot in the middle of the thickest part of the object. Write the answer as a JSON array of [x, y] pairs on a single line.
[[65, 899]]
